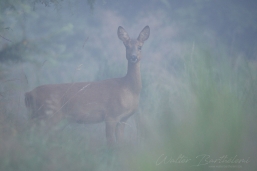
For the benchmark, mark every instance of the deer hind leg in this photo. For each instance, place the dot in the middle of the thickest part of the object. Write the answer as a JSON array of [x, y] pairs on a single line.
[[110, 131], [48, 112], [119, 132]]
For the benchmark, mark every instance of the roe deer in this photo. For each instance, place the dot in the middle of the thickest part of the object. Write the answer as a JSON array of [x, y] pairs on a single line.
[[112, 100]]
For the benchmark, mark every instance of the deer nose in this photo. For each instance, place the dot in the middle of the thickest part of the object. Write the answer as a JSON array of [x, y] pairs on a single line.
[[133, 59]]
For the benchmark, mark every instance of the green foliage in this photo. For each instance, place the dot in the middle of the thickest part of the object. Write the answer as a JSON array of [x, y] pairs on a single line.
[[193, 102], [201, 112]]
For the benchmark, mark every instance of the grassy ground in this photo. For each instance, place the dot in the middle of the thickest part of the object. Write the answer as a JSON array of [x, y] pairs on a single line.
[[196, 114]]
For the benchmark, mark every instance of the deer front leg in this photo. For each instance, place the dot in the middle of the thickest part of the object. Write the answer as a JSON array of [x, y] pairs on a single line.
[[120, 131], [110, 131]]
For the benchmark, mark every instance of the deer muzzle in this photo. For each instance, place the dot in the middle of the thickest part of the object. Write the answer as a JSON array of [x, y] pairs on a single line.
[[133, 58]]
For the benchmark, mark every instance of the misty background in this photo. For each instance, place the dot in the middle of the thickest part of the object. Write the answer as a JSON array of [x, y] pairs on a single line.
[[199, 75]]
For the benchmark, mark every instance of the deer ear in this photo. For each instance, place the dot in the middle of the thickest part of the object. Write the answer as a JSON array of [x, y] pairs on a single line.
[[144, 34], [122, 34]]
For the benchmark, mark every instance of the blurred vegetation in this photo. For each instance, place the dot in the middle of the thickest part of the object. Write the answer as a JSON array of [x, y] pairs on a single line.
[[199, 76], [15, 4], [204, 111]]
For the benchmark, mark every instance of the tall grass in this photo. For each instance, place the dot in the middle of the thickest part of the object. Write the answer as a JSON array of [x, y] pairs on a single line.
[[205, 106], [204, 112]]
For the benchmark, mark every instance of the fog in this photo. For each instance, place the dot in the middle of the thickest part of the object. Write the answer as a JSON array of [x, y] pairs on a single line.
[[197, 107]]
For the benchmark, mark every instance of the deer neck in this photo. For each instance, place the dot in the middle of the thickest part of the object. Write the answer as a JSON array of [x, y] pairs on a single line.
[[133, 77]]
